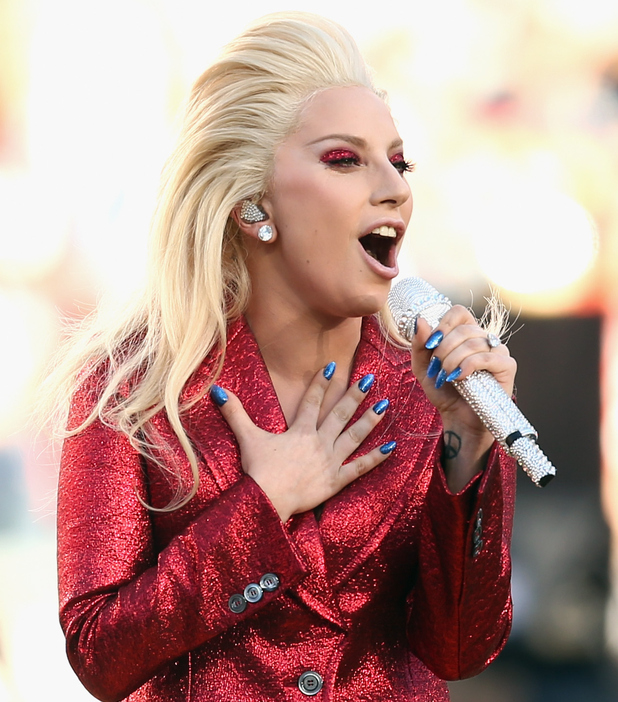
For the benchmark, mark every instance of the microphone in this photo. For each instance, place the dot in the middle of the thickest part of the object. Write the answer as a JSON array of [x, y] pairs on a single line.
[[412, 298]]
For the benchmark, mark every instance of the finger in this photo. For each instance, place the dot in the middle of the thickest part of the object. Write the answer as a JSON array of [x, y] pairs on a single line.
[[431, 346], [463, 341], [350, 439], [234, 413], [311, 402], [429, 339], [336, 420], [363, 464], [501, 365]]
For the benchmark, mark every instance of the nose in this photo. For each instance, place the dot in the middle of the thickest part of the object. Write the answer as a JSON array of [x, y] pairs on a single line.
[[390, 187]]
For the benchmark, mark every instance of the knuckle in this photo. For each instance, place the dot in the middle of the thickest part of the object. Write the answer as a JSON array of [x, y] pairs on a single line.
[[313, 399], [480, 343], [361, 465], [355, 434], [341, 413], [462, 315]]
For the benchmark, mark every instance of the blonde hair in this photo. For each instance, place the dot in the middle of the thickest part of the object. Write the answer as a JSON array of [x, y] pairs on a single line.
[[238, 112]]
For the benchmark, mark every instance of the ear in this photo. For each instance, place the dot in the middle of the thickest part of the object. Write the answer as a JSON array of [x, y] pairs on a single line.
[[252, 229]]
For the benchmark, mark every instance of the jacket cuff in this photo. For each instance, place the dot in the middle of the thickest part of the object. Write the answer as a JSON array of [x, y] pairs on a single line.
[[232, 570]]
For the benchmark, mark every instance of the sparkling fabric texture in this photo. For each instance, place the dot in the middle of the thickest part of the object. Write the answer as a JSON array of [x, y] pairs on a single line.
[[399, 585]]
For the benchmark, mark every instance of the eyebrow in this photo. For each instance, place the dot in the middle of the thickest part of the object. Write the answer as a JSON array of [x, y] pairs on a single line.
[[354, 140]]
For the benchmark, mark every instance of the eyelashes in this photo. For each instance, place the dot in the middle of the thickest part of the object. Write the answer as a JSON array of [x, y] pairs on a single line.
[[401, 164], [345, 158]]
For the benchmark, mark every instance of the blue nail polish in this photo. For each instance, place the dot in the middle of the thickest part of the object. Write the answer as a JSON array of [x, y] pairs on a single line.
[[329, 370], [380, 407], [388, 447], [219, 396], [453, 375], [434, 340], [365, 383], [440, 380], [434, 366]]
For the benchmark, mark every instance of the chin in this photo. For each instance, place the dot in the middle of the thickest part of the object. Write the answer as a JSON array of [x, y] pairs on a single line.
[[366, 305]]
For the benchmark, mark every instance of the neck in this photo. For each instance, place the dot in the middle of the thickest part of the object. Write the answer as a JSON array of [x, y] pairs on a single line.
[[296, 347]]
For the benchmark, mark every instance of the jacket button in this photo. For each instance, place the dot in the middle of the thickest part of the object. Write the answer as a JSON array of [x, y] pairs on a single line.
[[310, 683], [253, 593], [269, 582], [237, 603]]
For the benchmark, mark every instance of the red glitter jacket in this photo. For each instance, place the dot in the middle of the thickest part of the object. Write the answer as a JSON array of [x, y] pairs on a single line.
[[399, 585]]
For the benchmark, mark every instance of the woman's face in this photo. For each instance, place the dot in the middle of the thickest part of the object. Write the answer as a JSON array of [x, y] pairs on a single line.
[[340, 205]]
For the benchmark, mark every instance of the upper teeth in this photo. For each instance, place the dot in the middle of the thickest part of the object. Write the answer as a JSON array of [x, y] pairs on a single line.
[[385, 231]]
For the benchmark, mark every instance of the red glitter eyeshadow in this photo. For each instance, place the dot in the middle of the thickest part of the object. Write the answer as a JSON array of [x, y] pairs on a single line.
[[337, 155]]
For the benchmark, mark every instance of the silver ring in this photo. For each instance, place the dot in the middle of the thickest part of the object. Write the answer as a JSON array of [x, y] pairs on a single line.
[[493, 341]]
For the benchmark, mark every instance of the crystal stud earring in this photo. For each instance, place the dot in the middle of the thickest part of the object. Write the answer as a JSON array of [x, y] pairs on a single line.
[[265, 233], [251, 213]]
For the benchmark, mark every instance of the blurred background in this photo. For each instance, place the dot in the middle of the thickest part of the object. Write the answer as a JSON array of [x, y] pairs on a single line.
[[509, 109]]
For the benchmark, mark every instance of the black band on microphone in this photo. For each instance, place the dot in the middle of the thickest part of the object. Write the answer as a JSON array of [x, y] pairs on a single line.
[[512, 438]]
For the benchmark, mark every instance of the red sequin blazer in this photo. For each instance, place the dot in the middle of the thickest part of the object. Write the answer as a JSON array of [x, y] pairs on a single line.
[[398, 586]]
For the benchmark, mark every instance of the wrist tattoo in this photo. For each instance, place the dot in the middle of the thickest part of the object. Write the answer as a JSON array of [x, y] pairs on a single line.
[[452, 444]]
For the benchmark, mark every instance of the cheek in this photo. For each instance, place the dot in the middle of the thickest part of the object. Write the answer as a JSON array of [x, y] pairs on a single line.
[[313, 208], [407, 207]]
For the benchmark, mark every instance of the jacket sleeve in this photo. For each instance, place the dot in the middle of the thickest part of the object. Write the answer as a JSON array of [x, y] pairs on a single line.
[[460, 609], [127, 610]]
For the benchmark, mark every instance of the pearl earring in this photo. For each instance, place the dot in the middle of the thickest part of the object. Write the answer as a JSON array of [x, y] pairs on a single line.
[[265, 233]]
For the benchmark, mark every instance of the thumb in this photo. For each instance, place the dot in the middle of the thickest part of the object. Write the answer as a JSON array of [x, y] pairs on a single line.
[[234, 413]]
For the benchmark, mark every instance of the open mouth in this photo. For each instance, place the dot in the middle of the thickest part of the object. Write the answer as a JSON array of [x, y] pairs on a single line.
[[379, 243]]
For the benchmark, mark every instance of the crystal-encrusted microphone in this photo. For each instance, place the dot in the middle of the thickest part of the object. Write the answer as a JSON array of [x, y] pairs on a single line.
[[414, 297]]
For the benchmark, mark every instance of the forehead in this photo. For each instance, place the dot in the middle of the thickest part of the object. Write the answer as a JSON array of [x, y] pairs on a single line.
[[353, 110]]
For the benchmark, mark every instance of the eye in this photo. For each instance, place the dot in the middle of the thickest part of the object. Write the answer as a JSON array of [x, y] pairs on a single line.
[[340, 157], [401, 164]]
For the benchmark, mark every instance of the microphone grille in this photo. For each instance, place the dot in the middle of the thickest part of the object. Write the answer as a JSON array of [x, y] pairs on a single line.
[[412, 298]]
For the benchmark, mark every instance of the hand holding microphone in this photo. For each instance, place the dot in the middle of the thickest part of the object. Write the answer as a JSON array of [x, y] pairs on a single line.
[[413, 298]]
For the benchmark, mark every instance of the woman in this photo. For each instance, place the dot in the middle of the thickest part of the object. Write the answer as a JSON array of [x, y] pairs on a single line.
[[284, 532]]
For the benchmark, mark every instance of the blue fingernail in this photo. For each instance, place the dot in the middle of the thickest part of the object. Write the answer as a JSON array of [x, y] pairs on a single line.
[[440, 380], [380, 407], [434, 340], [219, 396], [329, 370], [453, 375], [365, 383], [388, 447], [434, 366]]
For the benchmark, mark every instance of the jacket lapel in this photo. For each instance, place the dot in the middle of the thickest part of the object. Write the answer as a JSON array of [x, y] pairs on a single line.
[[355, 521], [246, 375]]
